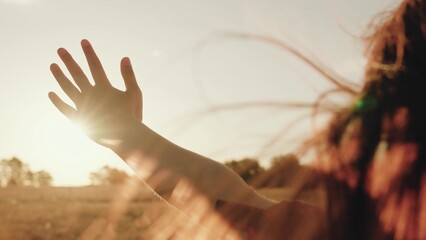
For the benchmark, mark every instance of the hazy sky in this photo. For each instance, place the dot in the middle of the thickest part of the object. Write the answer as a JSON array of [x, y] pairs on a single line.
[[183, 64]]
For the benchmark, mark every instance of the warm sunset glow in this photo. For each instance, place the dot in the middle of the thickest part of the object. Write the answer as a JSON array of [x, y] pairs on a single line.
[[174, 82], [62, 133], [182, 120]]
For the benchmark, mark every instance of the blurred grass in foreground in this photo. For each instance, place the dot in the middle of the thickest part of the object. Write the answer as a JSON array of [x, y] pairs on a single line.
[[48, 213]]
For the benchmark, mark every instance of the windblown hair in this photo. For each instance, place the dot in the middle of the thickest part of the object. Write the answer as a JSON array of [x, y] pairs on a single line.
[[376, 147], [372, 156]]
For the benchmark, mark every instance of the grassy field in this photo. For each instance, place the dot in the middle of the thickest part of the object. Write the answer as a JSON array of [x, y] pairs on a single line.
[[72, 213], [121, 212]]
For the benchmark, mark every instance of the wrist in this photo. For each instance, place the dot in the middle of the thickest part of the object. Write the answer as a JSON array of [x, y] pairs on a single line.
[[140, 141]]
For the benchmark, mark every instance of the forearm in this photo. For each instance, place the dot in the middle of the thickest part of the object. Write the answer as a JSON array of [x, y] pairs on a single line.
[[153, 154], [113, 119]]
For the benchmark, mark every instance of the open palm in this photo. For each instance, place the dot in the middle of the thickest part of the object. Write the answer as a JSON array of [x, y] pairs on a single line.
[[106, 112]]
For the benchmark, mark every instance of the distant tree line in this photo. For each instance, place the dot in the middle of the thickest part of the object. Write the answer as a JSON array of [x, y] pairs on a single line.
[[284, 171], [108, 176], [14, 172], [247, 168]]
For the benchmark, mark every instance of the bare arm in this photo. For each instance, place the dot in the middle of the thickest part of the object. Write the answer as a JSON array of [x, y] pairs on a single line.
[[113, 119]]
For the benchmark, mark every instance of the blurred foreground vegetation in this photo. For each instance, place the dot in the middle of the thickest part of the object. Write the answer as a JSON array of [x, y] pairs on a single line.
[[72, 213], [117, 211], [122, 207]]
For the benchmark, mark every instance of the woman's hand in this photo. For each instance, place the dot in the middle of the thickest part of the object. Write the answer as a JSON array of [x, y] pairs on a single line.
[[112, 118], [106, 113]]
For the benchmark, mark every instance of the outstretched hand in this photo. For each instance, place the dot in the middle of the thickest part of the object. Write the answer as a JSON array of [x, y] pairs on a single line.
[[106, 113]]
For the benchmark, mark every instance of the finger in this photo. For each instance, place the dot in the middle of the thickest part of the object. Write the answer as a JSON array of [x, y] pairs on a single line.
[[64, 108], [95, 65], [138, 109], [132, 86], [75, 70], [129, 76], [66, 85]]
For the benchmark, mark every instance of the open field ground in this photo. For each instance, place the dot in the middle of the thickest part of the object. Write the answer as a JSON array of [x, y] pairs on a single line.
[[81, 212], [69, 213]]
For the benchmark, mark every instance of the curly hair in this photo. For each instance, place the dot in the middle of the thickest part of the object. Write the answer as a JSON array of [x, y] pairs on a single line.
[[376, 147]]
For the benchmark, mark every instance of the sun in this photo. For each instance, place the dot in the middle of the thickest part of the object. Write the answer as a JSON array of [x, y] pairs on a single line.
[[64, 136], [62, 147]]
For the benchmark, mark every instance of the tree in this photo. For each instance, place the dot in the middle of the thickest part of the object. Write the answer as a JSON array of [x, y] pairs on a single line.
[[247, 168], [14, 172], [41, 178], [108, 176], [286, 171]]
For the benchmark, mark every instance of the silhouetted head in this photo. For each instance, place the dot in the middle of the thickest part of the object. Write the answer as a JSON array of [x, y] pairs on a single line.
[[377, 145]]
